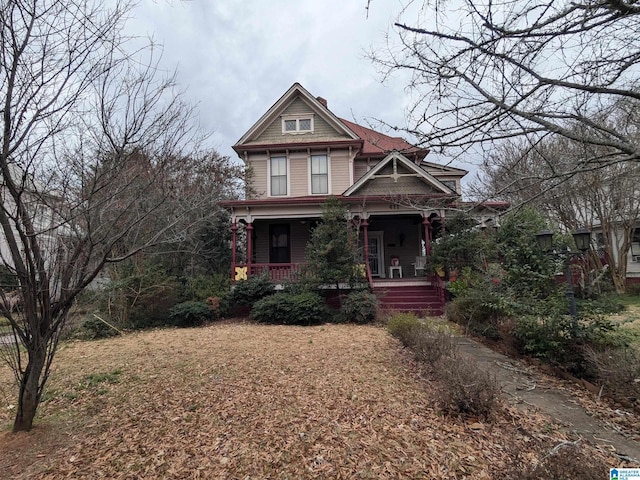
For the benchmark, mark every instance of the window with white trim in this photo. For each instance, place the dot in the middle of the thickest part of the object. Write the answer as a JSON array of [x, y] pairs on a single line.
[[301, 124], [278, 172], [319, 174], [635, 244]]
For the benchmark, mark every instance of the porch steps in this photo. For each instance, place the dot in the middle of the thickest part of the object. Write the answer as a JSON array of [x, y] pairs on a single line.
[[419, 299]]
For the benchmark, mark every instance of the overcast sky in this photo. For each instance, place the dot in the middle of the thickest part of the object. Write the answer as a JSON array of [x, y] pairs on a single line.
[[235, 58]]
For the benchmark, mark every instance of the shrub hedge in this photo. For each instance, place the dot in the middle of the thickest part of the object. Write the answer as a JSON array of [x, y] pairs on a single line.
[[306, 308], [189, 314], [464, 388], [246, 293], [359, 306]]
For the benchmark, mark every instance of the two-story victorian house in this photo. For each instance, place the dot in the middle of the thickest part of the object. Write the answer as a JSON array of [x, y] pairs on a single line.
[[298, 154]]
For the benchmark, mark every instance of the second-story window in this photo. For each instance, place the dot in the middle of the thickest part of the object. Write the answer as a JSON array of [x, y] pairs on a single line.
[[319, 174], [278, 167]]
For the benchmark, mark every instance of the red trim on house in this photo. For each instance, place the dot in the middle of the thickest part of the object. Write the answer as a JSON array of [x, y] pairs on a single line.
[[319, 200], [295, 145]]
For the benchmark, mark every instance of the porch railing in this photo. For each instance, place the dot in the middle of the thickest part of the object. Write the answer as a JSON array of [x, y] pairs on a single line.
[[276, 271], [439, 284]]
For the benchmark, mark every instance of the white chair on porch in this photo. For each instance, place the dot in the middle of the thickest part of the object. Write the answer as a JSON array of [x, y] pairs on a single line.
[[418, 266]]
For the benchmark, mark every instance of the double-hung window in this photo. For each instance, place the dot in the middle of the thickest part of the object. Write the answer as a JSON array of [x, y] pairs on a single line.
[[278, 169], [319, 174]]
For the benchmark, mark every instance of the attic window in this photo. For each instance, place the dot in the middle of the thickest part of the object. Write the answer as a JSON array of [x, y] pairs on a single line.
[[449, 183], [298, 124]]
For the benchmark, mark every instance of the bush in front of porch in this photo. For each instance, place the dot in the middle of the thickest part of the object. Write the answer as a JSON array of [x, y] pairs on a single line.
[[306, 308], [359, 306]]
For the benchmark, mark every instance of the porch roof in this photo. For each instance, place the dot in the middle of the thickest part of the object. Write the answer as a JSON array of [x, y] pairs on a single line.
[[321, 199]]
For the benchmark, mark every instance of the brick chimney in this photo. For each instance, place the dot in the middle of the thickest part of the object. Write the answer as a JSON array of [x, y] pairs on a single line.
[[322, 101]]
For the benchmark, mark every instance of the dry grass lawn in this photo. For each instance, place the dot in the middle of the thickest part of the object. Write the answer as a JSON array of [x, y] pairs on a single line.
[[242, 401], [629, 319]]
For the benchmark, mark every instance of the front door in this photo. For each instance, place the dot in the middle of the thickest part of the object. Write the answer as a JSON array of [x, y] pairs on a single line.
[[376, 254]]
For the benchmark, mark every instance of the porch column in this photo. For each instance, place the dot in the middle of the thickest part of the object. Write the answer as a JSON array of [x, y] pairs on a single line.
[[249, 246], [427, 235], [234, 247], [365, 237]]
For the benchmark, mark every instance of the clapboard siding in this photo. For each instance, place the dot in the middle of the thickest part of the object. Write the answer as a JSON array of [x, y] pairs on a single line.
[[299, 172], [339, 171], [299, 240], [322, 130], [359, 169], [387, 186], [258, 178], [299, 167]]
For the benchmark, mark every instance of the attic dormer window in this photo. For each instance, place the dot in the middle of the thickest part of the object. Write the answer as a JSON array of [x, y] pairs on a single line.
[[450, 183], [297, 124]]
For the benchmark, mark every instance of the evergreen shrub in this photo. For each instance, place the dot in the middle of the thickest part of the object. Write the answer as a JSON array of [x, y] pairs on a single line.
[[245, 293], [189, 314], [290, 309], [92, 328], [360, 306], [201, 287]]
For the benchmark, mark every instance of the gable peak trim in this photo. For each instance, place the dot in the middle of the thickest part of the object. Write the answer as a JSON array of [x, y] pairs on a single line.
[[317, 104], [395, 156]]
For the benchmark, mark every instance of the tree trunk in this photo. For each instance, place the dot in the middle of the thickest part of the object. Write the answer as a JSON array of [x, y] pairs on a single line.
[[29, 397], [619, 280]]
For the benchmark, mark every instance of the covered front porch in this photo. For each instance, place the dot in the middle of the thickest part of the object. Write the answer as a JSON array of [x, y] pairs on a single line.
[[395, 246]]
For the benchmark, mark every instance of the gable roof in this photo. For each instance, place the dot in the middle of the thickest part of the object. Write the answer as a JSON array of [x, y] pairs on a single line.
[[443, 169], [295, 91], [419, 172], [379, 144]]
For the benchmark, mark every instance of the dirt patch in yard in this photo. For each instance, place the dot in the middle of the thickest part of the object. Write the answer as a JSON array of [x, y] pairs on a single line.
[[249, 401]]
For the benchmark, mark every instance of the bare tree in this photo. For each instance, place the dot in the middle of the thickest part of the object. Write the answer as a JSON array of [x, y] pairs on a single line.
[[607, 196], [93, 139], [485, 71]]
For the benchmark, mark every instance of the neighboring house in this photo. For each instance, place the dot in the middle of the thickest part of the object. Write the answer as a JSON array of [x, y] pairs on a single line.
[[41, 214], [633, 256], [298, 154], [633, 268]]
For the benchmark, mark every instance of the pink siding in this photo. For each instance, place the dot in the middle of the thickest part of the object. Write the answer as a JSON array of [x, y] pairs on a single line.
[[299, 167], [258, 179], [339, 171]]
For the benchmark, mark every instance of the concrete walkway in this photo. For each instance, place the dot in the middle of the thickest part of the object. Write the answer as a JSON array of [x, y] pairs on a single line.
[[524, 386]]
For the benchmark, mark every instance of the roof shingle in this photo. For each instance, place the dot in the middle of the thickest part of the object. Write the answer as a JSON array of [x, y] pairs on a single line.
[[376, 143]]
